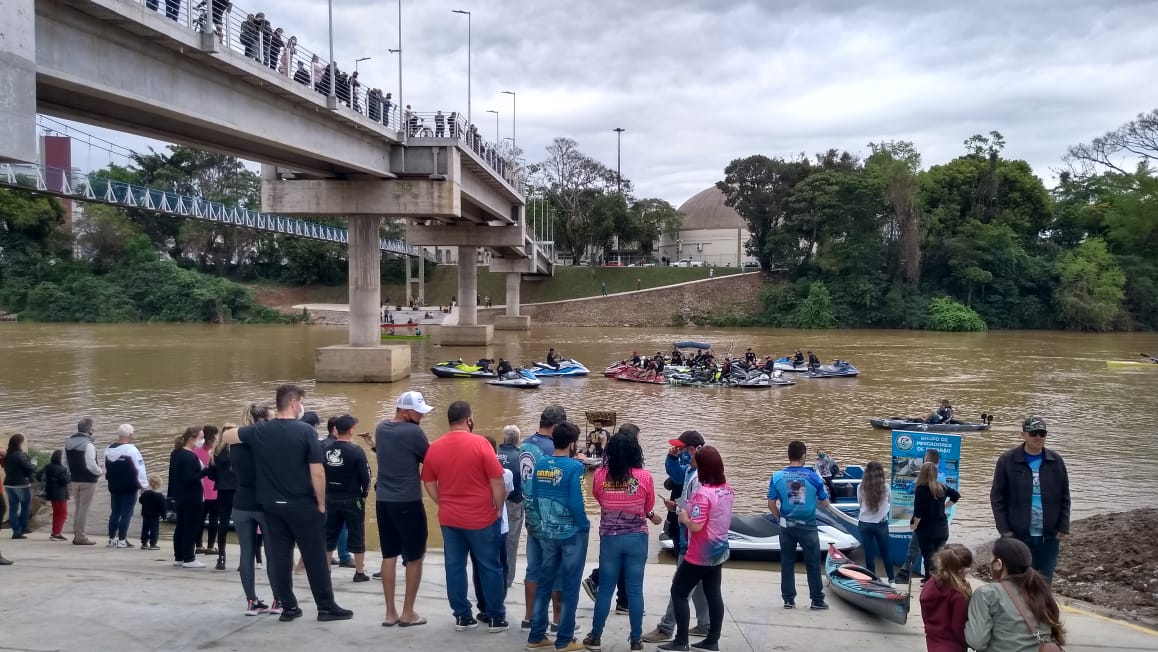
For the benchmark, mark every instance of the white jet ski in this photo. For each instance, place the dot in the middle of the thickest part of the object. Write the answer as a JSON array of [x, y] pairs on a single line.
[[519, 379]]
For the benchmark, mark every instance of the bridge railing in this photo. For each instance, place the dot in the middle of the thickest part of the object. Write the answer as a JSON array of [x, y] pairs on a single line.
[[255, 36], [101, 189], [452, 124]]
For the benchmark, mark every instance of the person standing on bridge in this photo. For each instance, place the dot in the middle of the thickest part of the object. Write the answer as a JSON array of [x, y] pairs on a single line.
[[288, 54], [249, 37], [439, 124], [452, 124], [318, 69], [387, 104]]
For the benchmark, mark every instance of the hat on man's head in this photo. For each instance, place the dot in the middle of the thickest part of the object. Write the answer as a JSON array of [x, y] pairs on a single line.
[[345, 423], [413, 401], [1033, 424], [311, 418], [689, 438]]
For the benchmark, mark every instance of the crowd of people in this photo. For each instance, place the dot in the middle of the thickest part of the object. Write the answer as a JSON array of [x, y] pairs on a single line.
[[284, 488]]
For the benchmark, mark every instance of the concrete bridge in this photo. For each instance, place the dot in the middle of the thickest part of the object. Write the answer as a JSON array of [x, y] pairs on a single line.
[[119, 64]]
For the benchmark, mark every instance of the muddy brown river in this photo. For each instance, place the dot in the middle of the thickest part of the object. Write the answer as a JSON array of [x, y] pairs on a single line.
[[164, 378]]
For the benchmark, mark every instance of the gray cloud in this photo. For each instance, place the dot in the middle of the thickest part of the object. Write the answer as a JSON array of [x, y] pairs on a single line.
[[697, 83]]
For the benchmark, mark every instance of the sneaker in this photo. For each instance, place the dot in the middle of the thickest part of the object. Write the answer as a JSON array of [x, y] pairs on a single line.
[[657, 635], [707, 645], [463, 623], [220, 564], [590, 588], [21, 536], [592, 643], [200, 551], [790, 604], [334, 612], [675, 646], [111, 544], [361, 577], [177, 564], [622, 610], [526, 624], [193, 564], [554, 628], [154, 547], [496, 625], [259, 565], [348, 563], [125, 543], [276, 609], [573, 646], [540, 644], [698, 630], [290, 614], [83, 542], [57, 537], [255, 607], [333, 561], [818, 605], [377, 576], [636, 646], [892, 584]]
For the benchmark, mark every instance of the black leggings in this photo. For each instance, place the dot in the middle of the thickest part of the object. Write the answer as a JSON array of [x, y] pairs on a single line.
[[185, 534], [208, 523], [687, 575], [224, 514], [929, 546]]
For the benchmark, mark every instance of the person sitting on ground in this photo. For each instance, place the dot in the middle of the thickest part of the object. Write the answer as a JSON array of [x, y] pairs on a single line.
[[552, 359], [504, 367], [945, 600], [943, 414], [1017, 611]]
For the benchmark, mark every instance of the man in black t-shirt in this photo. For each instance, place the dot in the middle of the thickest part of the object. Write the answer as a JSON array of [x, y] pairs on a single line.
[[291, 488], [347, 484]]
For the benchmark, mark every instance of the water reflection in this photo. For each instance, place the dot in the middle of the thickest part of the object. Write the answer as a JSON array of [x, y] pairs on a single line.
[[163, 378]]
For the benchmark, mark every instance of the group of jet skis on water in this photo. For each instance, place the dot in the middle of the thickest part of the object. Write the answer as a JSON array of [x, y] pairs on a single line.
[[504, 374], [693, 364]]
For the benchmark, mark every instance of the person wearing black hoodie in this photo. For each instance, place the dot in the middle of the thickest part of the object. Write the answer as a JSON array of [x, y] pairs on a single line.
[[185, 473], [55, 479]]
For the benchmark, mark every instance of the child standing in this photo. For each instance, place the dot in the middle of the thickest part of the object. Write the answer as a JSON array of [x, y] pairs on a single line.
[[152, 510], [56, 480], [945, 600]]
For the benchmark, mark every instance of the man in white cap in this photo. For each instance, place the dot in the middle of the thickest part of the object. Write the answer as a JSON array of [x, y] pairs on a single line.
[[401, 445]]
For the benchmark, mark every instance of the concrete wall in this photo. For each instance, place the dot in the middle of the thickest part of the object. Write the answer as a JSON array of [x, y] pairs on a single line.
[[17, 81], [656, 307], [712, 246]]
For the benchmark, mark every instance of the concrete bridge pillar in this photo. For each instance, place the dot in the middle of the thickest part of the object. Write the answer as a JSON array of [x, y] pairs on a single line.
[[18, 82], [364, 359], [513, 321], [467, 332]]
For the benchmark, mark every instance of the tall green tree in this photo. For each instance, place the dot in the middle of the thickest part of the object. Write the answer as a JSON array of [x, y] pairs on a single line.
[[1091, 286], [758, 188]]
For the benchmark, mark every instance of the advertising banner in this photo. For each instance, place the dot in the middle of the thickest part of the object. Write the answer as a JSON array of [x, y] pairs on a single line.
[[908, 456]]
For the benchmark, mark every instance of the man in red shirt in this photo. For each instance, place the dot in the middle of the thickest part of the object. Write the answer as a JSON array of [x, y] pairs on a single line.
[[464, 478]]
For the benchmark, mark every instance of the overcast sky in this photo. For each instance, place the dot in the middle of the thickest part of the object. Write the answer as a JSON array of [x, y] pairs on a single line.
[[697, 83]]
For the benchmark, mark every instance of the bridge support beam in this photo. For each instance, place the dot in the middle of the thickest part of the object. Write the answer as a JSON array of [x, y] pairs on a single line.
[[513, 321], [364, 359], [18, 82], [468, 332]]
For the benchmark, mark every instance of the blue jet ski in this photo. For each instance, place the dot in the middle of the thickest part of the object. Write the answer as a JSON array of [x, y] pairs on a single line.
[[519, 379], [838, 369], [566, 367]]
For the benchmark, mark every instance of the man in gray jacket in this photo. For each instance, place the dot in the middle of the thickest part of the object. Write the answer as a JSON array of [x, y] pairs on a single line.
[[80, 453]]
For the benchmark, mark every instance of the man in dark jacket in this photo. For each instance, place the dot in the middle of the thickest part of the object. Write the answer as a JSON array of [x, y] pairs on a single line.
[[1031, 496], [80, 452]]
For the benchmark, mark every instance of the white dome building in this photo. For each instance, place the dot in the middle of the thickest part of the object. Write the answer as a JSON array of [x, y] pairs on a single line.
[[711, 232]]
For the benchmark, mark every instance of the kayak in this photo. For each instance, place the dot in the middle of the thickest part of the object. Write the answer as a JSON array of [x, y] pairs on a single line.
[[519, 379], [758, 535], [841, 370], [1131, 363], [902, 423], [861, 588], [633, 375], [386, 336], [460, 370], [565, 368]]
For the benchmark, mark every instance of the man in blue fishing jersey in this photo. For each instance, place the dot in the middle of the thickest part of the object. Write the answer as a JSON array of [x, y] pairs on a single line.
[[793, 494]]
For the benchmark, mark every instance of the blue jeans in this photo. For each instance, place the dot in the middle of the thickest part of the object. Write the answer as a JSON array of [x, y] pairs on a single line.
[[562, 560], [627, 551], [1045, 551], [120, 514], [344, 544], [483, 544], [19, 504], [875, 537], [535, 563], [809, 540]]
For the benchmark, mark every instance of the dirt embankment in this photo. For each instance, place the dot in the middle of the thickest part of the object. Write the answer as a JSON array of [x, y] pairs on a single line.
[[684, 304], [1109, 561]]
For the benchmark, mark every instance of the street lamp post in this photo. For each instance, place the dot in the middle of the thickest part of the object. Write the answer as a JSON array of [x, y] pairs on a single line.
[[467, 14], [332, 101], [514, 121], [618, 158], [498, 141], [399, 53], [360, 60]]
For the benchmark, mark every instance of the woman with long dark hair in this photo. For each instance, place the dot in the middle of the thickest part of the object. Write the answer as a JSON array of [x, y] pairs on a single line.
[[930, 520], [1017, 611], [707, 518], [626, 496], [873, 495], [18, 473], [185, 473]]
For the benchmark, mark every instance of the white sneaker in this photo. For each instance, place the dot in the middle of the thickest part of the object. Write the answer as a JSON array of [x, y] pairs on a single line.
[[258, 566], [177, 564], [121, 543], [193, 564], [111, 544]]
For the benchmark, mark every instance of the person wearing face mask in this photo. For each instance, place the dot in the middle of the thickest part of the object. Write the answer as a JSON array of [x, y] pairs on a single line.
[[291, 489], [401, 445]]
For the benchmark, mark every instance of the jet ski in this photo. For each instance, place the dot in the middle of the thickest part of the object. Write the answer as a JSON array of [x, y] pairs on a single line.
[[841, 369], [758, 535], [918, 424], [519, 378], [860, 587], [459, 369], [788, 364], [615, 368], [567, 367], [760, 379], [633, 375]]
